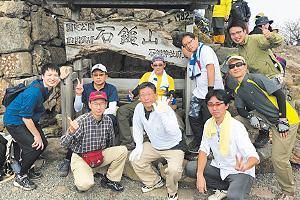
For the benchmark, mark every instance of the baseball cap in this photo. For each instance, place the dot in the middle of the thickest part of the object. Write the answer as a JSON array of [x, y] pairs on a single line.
[[97, 95], [263, 20], [100, 67], [158, 58], [235, 57]]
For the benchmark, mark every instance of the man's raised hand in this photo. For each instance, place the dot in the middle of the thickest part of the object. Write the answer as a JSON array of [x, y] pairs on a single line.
[[161, 105], [73, 125], [239, 164], [79, 87]]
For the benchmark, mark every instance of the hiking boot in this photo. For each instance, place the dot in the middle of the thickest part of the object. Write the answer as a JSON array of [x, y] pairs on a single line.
[[172, 196], [113, 185], [64, 168], [159, 184], [24, 182], [33, 175], [219, 194], [261, 140], [193, 147]]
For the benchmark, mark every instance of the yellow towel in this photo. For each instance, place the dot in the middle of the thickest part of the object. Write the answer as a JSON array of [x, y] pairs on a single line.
[[211, 130]]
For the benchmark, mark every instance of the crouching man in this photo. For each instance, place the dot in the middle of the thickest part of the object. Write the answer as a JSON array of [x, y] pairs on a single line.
[[232, 170], [159, 121], [91, 138]]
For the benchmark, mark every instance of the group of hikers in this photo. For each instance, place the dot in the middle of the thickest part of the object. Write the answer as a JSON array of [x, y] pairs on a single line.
[[149, 128]]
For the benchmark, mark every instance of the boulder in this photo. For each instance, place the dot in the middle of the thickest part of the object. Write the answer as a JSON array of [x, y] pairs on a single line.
[[57, 54], [223, 52], [54, 150], [100, 13], [16, 35], [41, 56], [53, 100], [14, 9], [16, 64], [295, 92], [56, 42], [60, 11], [125, 12], [141, 14], [44, 27], [156, 14]]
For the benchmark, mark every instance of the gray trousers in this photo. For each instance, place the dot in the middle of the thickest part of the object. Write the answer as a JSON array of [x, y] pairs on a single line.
[[124, 119], [238, 185]]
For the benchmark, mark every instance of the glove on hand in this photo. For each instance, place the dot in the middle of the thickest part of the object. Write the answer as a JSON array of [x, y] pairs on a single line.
[[129, 96], [254, 121], [283, 125], [136, 153], [161, 105]]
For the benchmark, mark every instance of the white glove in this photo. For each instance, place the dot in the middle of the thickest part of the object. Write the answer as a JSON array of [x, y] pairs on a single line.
[[136, 153], [161, 105]]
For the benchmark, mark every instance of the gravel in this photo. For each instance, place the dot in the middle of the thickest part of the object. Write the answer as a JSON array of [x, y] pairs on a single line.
[[51, 186]]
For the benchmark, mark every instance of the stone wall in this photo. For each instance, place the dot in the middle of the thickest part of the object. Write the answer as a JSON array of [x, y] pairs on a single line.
[[30, 36]]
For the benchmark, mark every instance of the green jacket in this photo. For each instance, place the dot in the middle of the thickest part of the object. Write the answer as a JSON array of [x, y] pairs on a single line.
[[258, 54]]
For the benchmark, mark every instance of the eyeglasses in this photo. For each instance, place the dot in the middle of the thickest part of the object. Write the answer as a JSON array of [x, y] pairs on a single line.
[[217, 104], [187, 44], [159, 65], [99, 104], [238, 64]]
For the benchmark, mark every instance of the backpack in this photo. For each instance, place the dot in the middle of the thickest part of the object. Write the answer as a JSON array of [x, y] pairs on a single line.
[[240, 10], [12, 92], [5, 168]]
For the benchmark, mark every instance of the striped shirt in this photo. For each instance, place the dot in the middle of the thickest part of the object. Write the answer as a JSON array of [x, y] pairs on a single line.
[[91, 135]]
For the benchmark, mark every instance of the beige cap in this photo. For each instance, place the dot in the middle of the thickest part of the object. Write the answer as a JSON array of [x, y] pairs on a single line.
[[259, 15], [236, 57]]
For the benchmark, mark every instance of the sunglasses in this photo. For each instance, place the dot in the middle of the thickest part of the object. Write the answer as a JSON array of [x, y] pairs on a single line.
[[159, 65], [238, 64]]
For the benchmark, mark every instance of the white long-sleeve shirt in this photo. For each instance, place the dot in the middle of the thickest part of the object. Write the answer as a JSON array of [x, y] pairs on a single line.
[[112, 106], [239, 142], [162, 128]]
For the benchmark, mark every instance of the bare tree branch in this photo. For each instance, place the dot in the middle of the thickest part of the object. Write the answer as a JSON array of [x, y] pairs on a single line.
[[291, 32]]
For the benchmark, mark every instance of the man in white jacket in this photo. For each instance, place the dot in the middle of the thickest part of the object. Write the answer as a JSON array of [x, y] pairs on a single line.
[[158, 120]]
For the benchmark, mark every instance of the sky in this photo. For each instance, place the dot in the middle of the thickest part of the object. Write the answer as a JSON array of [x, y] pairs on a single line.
[[278, 10]]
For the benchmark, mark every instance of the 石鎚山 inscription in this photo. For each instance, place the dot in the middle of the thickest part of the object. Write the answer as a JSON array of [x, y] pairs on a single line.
[[140, 39]]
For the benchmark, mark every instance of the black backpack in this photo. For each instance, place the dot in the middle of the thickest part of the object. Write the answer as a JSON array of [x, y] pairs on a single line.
[[240, 11], [12, 92]]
